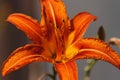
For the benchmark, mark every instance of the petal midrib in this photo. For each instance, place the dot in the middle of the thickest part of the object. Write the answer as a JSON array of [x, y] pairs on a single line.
[[94, 50], [30, 28]]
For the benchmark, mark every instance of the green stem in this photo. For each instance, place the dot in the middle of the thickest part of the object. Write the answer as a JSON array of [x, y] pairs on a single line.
[[52, 76], [88, 68]]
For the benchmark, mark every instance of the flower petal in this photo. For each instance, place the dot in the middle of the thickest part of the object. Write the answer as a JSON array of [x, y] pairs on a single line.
[[97, 49], [67, 71], [54, 17], [23, 56], [25, 23], [54, 12], [80, 24]]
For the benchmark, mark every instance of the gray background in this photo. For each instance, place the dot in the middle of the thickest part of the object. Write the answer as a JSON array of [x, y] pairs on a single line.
[[107, 12]]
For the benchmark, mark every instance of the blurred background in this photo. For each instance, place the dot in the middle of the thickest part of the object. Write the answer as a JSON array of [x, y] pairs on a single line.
[[107, 12]]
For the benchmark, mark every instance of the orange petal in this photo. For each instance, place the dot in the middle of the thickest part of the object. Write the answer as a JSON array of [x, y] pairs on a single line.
[[23, 56], [67, 71], [80, 24], [54, 17], [25, 23], [54, 12], [97, 49]]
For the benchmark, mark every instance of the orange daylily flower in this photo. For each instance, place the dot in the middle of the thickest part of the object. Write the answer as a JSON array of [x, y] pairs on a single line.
[[58, 40]]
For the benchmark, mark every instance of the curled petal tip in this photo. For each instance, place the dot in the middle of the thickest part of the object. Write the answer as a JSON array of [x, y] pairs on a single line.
[[28, 25], [23, 56], [97, 49]]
